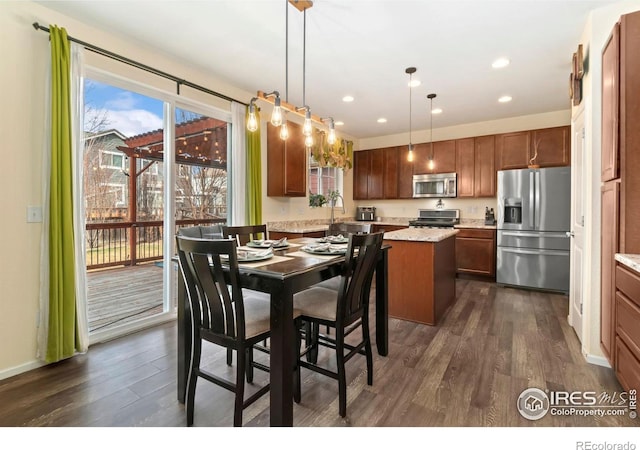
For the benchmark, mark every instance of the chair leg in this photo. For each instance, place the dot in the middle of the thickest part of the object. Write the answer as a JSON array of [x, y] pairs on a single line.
[[229, 357], [249, 368], [192, 379], [313, 333], [297, 391], [239, 403], [367, 350], [342, 377]]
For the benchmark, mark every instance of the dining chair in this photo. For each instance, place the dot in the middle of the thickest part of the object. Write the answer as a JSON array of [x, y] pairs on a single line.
[[222, 313], [345, 229], [202, 231], [246, 233], [344, 310]]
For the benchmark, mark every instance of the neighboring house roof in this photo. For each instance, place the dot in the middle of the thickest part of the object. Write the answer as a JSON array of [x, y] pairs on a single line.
[[104, 133]]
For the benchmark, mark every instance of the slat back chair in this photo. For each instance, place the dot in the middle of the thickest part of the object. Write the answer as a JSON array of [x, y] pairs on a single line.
[[345, 309], [202, 231], [222, 314], [348, 228], [245, 233]]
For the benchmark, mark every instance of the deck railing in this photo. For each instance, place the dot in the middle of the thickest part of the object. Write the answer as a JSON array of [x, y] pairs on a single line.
[[129, 243]]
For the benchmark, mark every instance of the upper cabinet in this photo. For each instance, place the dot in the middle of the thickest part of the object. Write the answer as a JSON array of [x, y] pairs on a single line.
[[390, 173], [287, 162], [466, 163], [547, 147], [444, 157], [475, 166], [610, 111], [550, 147], [361, 162], [405, 173], [376, 174], [512, 150], [485, 168]]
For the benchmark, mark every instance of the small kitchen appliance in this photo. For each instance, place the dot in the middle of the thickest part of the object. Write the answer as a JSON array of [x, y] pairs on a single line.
[[366, 213]]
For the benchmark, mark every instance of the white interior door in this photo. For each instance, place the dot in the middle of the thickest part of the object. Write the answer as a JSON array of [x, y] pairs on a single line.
[[576, 289]]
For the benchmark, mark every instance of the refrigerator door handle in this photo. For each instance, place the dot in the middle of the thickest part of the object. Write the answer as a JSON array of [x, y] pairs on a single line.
[[539, 252], [537, 206], [560, 234], [531, 198]]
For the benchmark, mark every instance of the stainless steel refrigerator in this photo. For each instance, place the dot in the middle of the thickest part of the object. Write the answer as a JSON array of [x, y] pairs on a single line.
[[534, 209]]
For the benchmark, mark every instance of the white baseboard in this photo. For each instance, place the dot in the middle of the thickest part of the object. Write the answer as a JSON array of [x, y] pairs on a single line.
[[597, 360], [17, 370]]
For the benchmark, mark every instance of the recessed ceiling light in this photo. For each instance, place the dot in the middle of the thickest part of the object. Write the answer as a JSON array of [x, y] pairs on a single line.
[[436, 111], [382, 120], [339, 123], [347, 98], [505, 99], [500, 63], [414, 83]]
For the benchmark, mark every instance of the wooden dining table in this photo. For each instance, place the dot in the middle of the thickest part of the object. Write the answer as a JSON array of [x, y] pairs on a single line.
[[290, 270]]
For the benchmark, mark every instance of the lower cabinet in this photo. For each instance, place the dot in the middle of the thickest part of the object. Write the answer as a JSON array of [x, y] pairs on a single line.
[[387, 228], [476, 252], [627, 328], [288, 235]]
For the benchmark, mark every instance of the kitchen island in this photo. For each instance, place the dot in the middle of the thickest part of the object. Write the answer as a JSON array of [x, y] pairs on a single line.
[[421, 273]]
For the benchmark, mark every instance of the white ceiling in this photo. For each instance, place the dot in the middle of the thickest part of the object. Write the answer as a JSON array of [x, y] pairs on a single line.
[[362, 48]]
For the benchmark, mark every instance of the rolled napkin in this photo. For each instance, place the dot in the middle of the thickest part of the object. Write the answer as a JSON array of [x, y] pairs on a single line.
[[250, 254]]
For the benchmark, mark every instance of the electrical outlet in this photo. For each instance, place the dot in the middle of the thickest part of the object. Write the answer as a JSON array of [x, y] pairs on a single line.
[[34, 214]]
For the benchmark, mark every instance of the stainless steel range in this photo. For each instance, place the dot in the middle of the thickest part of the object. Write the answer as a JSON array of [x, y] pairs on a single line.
[[436, 218]]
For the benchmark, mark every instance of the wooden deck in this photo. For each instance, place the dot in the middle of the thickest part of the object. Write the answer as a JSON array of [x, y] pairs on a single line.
[[120, 295]]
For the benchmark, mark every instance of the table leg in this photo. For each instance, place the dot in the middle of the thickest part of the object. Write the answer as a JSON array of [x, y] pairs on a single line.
[[281, 356], [184, 344], [382, 305]]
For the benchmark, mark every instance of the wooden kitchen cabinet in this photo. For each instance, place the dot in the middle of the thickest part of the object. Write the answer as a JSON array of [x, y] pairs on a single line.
[[476, 252], [627, 327], [287, 162], [620, 210], [405, 173], [610, 155], [390, 173], [610, 246], [361, 163], [375, 186], [375, 228], [512, 150], [485, 168], [311, 234], [466, 167], [550, 147], [444, 157]]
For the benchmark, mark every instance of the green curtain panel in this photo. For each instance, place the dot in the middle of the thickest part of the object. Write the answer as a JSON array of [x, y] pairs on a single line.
[[254, 175], [62, 339]]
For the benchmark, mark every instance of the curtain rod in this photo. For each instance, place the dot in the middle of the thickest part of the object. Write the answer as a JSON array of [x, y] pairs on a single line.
[[179, 81]]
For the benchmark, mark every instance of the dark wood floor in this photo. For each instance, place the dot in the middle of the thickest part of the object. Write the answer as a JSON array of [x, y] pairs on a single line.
[[469, 371]]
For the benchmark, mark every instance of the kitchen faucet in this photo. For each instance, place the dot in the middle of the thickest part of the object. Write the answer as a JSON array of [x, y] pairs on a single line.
[[334, 196]]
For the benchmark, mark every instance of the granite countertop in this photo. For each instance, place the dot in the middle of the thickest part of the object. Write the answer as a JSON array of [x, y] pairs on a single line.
[[475, 223], [383, 221], [421, 234], [309, 226], [632, 261]]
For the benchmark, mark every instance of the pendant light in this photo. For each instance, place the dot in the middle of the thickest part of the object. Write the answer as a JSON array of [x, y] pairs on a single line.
[[410, 71], [284, 129], [431, 164]]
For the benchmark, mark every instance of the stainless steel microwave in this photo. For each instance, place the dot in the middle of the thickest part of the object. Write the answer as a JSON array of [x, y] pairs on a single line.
[[439, 185]]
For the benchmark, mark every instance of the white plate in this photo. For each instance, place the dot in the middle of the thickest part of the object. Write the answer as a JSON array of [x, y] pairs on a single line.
[[252, 258], [267, 244], [321, 250], [335, 239]]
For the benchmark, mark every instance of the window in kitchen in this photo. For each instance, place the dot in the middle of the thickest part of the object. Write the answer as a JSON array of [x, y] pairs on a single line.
[[323, 180]]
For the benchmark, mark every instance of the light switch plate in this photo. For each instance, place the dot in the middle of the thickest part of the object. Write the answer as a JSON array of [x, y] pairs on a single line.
[[34, 214]]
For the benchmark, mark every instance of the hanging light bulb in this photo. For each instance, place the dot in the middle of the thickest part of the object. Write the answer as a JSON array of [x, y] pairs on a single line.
[[307, 128], [276, 114], [284, 131], [410, 71], [308, 141], [252, 123], [331, 139], [431, 163]]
